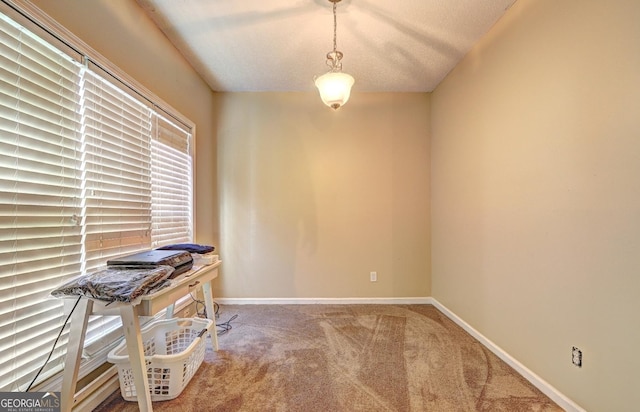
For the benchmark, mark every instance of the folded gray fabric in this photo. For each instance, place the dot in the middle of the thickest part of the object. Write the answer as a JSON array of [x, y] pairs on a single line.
[[117, 284]]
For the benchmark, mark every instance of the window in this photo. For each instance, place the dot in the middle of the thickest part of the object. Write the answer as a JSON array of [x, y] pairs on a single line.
[[171, 182], [89, 170], [116, 144]]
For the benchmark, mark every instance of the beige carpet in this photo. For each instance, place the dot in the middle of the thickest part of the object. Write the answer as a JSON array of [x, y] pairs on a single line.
[[348, 358]]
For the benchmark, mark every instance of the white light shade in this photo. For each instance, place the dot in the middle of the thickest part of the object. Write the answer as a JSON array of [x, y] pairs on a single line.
[[335, 88]]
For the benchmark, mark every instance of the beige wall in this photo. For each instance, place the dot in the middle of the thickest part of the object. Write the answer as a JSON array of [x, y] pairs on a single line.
[[120, 31], [536, 193], [313, 200]]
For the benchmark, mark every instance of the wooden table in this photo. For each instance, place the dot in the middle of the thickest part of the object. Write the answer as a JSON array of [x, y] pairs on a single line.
[[150, 305]]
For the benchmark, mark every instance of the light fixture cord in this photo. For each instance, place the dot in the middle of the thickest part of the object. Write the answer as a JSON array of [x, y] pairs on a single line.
[[335, 28]]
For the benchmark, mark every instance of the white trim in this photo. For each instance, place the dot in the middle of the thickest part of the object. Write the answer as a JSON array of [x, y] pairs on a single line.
[[324, 301], [54, 383], [544, 386], [97, 391]]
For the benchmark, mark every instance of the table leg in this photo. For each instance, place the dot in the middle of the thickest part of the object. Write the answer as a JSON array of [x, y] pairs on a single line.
[[133, 337], [211, 314], [170, 309], [77, 330]]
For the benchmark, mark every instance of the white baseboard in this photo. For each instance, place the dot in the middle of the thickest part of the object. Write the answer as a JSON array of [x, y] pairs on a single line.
[[97, 391], [324, 301], [555, 395]]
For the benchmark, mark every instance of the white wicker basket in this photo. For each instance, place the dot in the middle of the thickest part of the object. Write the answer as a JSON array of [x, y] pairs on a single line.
[[174, 350]]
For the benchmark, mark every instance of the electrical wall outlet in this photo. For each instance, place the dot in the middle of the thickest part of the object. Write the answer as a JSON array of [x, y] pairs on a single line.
[[373, 276], [576, 357]]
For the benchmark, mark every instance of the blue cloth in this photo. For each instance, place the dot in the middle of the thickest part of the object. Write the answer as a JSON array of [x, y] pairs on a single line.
[[189, 247]]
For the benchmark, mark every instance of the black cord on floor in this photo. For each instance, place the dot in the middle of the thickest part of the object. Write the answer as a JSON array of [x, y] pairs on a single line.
[[54, 344], [203, 313], [226, 326]]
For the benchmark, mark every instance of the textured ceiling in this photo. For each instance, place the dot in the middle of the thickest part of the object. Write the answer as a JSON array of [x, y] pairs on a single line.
[[278, 45]]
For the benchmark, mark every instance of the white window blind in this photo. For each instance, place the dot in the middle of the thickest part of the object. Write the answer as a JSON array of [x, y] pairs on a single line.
[[171, 175], [117, 158], [40, 191], [117, 185], [88, 171]]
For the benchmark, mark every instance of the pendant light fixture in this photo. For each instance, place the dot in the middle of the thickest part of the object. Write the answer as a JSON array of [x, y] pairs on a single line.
[[334, 86]]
